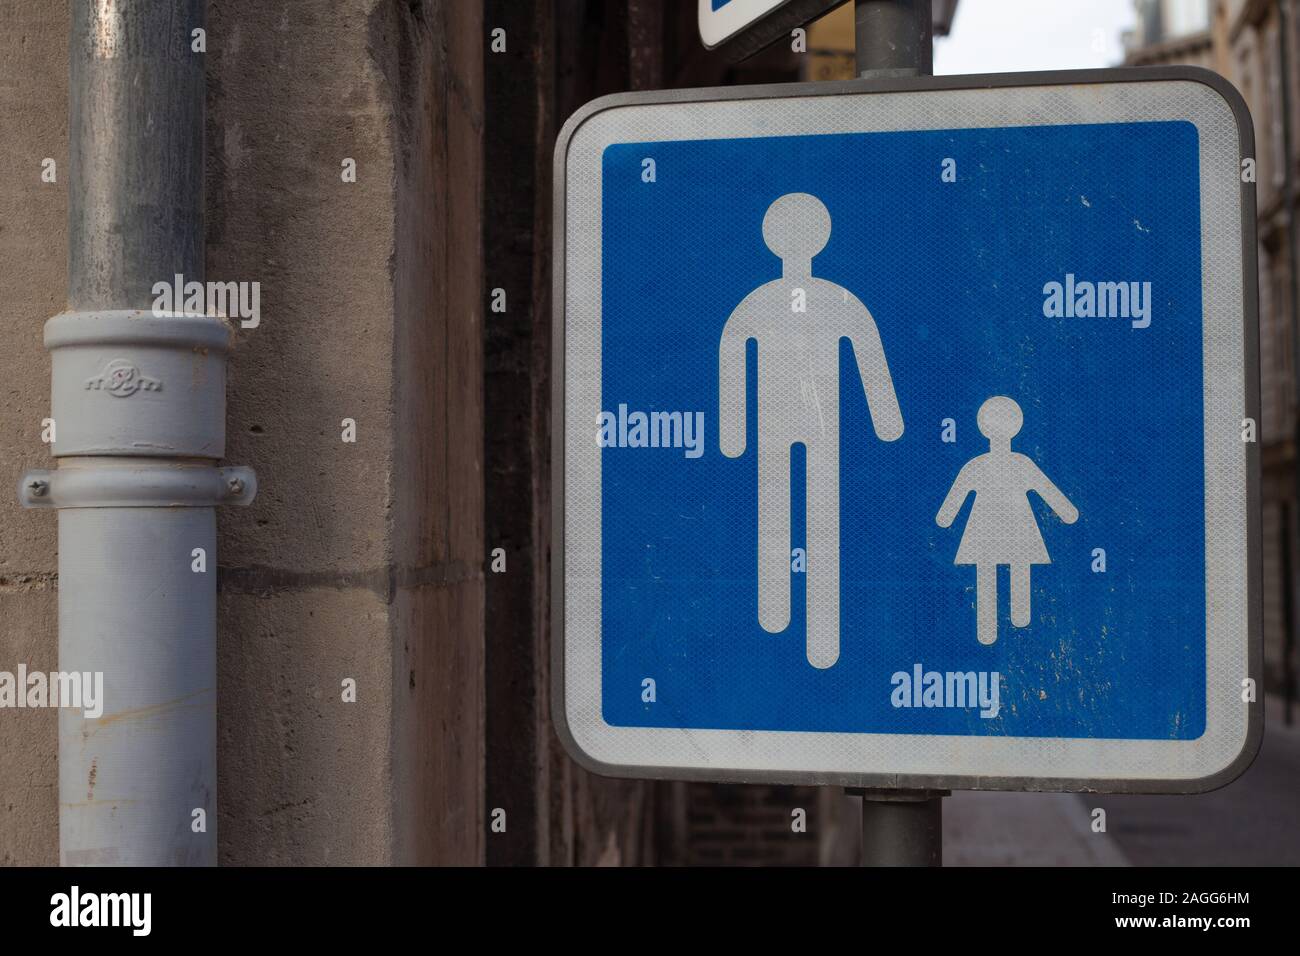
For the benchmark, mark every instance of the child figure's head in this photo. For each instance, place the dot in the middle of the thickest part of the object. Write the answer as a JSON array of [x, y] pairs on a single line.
[[999, 419]]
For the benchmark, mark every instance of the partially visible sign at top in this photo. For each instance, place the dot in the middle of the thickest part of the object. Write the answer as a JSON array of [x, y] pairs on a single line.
[[720, 20]]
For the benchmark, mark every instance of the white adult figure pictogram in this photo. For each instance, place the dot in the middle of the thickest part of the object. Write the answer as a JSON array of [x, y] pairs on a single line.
[[1002, 527], [798, 321]]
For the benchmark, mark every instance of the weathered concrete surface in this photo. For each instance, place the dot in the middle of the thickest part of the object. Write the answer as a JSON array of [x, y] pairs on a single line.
[[437, 715], [29, 775], [33, 286], [358, 560], [302, 777], [33, 261], [292, 90], [371, 312], [435, 78]]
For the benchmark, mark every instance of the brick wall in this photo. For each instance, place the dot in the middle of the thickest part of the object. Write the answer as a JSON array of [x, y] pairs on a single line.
[[703, 824]]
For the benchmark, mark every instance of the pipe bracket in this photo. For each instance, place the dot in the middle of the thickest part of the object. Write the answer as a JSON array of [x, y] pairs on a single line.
[[144, 485]]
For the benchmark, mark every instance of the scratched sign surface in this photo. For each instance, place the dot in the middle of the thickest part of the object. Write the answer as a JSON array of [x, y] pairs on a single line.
[[909, 452]]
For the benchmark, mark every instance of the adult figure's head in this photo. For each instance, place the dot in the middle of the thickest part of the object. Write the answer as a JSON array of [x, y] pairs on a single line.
[[796, 228], [999, 420]]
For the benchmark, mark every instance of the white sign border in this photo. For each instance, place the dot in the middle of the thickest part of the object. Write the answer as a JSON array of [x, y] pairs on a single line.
[[1233, 730]]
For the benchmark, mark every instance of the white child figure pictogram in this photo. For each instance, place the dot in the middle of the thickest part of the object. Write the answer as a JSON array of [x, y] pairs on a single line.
[[798, 321], [1002, 527]]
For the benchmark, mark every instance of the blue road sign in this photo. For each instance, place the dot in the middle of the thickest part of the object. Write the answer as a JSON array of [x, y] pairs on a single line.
[[908, 436]]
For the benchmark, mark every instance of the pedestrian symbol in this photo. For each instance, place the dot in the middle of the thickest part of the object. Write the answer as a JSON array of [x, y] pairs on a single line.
[[798, 321]]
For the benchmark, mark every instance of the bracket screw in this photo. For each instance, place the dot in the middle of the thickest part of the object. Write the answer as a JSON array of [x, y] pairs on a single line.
[[38, 487], [235, 486]]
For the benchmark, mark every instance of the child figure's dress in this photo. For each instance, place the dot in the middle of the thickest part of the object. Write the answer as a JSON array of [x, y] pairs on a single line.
[[1002, 527]]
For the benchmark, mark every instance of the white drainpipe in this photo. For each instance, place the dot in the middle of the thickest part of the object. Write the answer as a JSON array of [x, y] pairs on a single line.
[[138, 402]]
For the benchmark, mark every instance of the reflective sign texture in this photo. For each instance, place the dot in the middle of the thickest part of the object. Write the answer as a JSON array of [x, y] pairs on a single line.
[[905, 434]]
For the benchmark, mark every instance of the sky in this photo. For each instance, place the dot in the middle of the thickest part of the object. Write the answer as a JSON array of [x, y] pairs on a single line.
[[995, 36]]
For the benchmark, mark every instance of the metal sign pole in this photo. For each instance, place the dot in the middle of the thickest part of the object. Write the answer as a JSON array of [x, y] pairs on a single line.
[[902, 827], [895, 38]]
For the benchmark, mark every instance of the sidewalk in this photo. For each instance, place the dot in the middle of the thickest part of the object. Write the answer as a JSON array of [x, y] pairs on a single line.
[[1251, 822], [982, 828]]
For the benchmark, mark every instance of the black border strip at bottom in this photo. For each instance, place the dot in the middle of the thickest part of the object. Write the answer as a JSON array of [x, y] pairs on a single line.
[[469, 908]]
